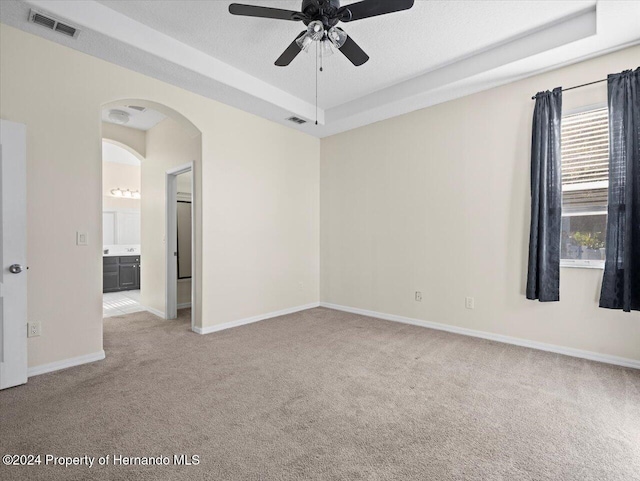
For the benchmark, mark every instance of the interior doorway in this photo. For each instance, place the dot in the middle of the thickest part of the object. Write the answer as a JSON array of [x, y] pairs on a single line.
[[121, 230], [169, 147], [180, 237]]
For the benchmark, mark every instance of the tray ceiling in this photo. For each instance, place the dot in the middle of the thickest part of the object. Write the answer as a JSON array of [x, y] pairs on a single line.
[[436, 51]]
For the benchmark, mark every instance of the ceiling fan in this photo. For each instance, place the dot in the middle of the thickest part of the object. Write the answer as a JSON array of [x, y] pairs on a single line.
[[321, 18]]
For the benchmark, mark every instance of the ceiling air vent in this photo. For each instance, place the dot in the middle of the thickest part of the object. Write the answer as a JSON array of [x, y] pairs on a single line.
[[137, 107], [297, 120], [42, 20], [66, 29], [51, 23]]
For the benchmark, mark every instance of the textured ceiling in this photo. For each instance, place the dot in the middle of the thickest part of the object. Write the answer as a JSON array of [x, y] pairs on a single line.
[[437, 51], [402, 45]]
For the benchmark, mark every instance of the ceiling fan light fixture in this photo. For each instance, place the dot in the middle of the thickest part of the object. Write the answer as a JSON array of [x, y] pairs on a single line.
[[304, 42], [315, 33], [325, 48], [119, 116], [316, 30], [337, 36]]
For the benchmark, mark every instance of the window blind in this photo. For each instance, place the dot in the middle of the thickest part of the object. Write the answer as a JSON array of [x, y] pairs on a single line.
[[585, 160]]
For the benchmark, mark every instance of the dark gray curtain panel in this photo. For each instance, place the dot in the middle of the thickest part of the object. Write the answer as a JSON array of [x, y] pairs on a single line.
[[543, 279], [621, 282]]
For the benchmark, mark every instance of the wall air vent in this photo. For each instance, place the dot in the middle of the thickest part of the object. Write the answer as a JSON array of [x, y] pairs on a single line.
[[51, 23], [297, 120]]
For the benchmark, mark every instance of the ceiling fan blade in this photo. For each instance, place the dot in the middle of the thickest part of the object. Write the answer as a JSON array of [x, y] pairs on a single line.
[[373, 8], [353, 52], [264, 12], [290, 53]]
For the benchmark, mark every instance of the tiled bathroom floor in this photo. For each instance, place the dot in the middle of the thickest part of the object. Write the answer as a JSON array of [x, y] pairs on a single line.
[[119, 303]]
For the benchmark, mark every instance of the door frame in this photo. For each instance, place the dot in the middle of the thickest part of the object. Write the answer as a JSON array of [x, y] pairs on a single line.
[[171, 243]]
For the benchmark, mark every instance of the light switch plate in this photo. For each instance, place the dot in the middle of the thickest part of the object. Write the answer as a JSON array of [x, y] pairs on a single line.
[[82, 238]]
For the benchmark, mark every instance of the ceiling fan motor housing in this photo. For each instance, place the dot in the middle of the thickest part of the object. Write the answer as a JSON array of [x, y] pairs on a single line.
[[327, 11]]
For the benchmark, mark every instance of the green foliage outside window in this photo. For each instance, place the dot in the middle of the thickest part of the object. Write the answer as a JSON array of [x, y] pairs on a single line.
[[591, 240]]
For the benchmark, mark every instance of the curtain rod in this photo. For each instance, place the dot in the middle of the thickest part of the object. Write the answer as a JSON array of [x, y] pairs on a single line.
[[578, 86]]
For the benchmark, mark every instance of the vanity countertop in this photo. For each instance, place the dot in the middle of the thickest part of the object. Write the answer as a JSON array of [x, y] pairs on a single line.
[[121, 250]]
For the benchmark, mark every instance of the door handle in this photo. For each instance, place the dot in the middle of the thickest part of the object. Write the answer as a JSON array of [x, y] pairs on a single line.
[[16, 268]]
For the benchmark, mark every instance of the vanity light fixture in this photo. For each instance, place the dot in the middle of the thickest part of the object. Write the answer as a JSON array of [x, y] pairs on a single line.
[[127, 194]]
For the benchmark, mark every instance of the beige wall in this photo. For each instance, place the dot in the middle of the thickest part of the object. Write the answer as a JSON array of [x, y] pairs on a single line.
[[132, 139], [168, 145], [438, 201], [123, 176], [257, 201], [261, 217], [184, 183]]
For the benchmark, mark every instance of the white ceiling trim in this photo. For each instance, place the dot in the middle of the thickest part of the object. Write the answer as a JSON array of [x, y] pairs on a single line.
[[95, 16], [432, 86]]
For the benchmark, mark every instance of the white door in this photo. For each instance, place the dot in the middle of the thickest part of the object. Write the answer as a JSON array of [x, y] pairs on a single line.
[[13, 254]]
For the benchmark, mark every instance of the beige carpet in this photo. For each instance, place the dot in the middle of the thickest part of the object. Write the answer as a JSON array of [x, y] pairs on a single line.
[[327, 395]]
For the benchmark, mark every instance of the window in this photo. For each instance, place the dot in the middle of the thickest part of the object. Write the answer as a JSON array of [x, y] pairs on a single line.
[[585, 182]]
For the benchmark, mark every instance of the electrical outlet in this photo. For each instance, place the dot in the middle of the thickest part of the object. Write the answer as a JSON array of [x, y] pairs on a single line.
[[469, 303], [418, 296], [34, 329]]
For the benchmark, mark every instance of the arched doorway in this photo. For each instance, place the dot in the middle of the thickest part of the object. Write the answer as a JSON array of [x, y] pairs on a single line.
[[169, 146]]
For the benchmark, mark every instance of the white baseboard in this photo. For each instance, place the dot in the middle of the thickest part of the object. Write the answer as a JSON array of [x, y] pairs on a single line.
[[155, 312], [567, 351], [249, 320], [184, 305], [65, 363]]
